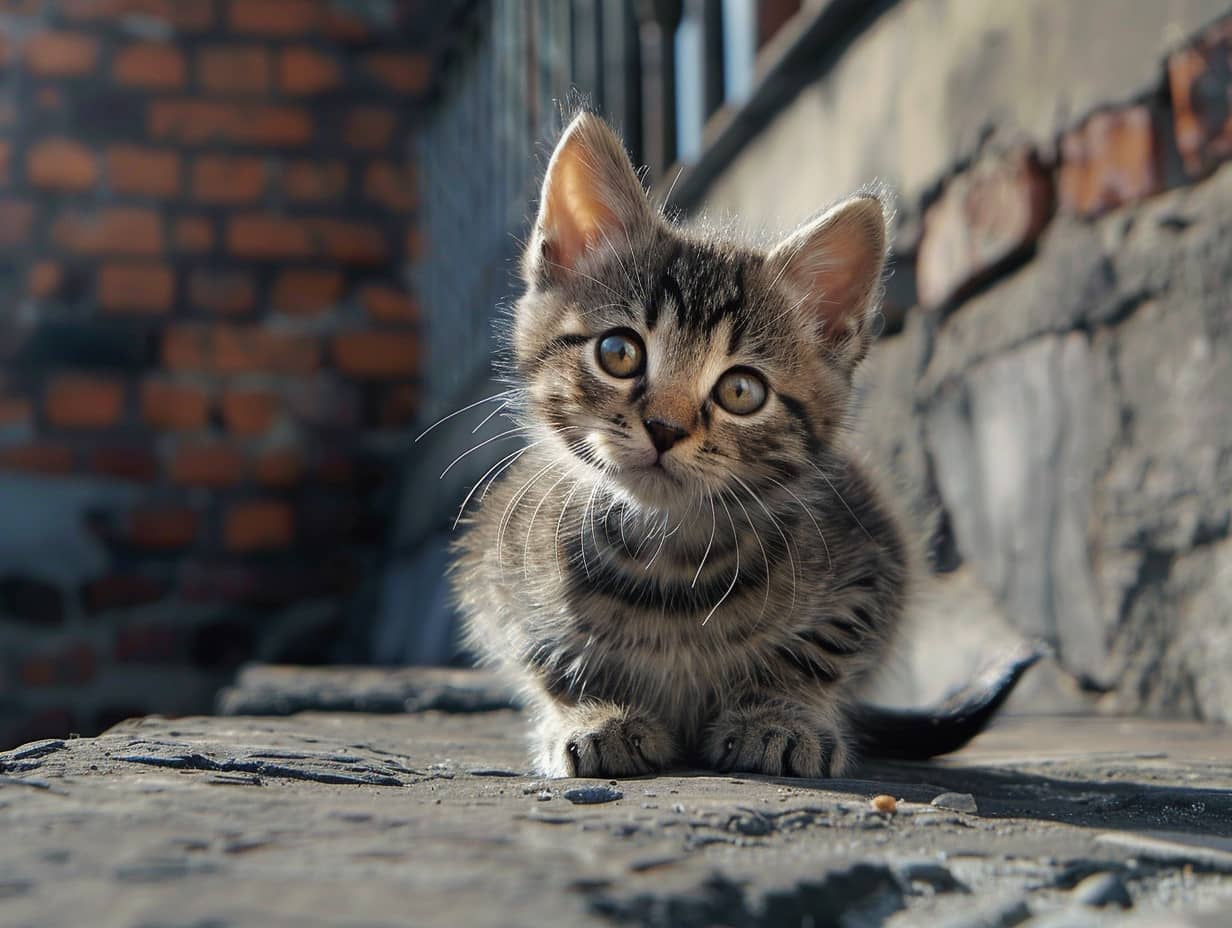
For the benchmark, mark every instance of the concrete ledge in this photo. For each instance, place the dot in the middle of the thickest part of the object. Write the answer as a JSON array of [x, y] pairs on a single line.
[[324, 818]]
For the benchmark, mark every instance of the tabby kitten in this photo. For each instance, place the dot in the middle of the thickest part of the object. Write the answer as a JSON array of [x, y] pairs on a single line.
[[686, 564]]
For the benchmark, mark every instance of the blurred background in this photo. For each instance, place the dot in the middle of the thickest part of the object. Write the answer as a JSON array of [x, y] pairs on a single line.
[[250, 248]]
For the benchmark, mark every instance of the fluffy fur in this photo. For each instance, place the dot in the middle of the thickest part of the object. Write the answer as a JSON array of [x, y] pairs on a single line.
[[718, 602]]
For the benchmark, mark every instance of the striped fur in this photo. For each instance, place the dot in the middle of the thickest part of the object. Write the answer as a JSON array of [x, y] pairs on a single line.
[[719, 603]]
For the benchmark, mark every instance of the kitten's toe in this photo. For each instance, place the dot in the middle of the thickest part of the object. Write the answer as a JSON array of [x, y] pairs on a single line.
[[774, 741], [619, 746]]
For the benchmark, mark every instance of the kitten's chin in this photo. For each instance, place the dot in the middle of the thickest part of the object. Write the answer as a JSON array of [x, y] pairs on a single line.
[[652, 487]]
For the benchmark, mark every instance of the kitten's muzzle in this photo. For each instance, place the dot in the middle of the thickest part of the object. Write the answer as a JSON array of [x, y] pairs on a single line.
[[664, 434]]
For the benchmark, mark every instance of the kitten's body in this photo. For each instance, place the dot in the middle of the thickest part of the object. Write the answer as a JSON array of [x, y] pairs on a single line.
[[671, 573]]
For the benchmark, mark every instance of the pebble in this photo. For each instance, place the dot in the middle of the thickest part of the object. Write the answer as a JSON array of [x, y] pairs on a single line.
[[591, 795], [884, 803], [1103, 889], [956, 802]]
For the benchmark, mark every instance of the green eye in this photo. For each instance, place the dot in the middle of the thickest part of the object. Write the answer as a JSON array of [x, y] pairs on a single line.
[[621, 353], [740, 391]]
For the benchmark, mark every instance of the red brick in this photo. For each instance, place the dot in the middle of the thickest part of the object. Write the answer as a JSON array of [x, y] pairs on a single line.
[[15, 410], [148, 644], [307, 71], [228, 179], [117, 230], [369, 128], [136, 288], [1202, 99], [187, 15], [389, 304], [61, 54], [44, 279], [249, 412], [238, 349], [258, 526], [197, 122], [125, 462], [391, 186], [283, 467], [399, 71], [414, 245], [193, 235], [121, 591], [398, 407], [985, 216], [342, 26], [278, 18], [61, 164], [37, 458], [213, 465], [225, 292], [314, 181], [272, 238], [166, 404], [81, 401], [349, 242], [71, 666], [307, 291], [377, 355], [140, 171], [234, 69], [150, 65], [269, 238], [157, 528], [16, 219]]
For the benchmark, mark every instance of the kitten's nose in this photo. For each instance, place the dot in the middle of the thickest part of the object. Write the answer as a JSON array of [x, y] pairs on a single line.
[[663, 434]]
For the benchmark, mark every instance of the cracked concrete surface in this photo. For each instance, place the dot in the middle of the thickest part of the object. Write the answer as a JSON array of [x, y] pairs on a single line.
[[431, 819]]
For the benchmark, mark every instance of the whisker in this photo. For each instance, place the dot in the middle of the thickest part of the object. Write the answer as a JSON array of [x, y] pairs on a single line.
[[507, 462], [850, 511], [488, 417], [564, 509], [709, 544], [534, 514], [458, 412], [808, 512], [764, 557], [735, 573]]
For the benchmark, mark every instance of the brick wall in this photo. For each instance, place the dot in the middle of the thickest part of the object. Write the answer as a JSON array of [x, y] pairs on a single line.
[[206, 340]]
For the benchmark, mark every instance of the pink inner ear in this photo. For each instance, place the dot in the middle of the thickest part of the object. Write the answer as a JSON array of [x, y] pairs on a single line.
[[834, 266], [573, 215]]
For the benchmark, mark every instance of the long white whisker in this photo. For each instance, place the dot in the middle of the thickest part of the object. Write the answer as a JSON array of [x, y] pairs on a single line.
[[765, 601], [808, 512], [504, 463], [850, 511], [709, 544], [458, 412], [735, 573], [488, 417], [530, 526], [564, 509]]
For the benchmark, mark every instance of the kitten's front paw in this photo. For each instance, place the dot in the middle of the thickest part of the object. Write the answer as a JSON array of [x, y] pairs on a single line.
[[609, 741], [775, 739]]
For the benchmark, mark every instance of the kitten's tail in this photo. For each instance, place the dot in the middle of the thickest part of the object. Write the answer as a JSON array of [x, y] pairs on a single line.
[[909, 734]]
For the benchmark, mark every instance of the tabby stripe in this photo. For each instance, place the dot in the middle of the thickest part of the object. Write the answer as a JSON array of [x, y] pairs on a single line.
[[829, 645], [796, 408], [809, 664]]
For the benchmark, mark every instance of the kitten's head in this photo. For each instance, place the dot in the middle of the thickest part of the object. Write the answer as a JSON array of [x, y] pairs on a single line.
[[675, 363]]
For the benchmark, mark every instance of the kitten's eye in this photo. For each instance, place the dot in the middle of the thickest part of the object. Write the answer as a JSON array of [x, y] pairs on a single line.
[[620, 353], [740, 391]]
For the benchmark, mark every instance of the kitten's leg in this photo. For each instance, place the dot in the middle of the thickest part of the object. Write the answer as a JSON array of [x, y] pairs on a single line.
[[601, 739], [778, 737]]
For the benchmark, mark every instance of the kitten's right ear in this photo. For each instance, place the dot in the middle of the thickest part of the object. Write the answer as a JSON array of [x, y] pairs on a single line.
[[591, 198]]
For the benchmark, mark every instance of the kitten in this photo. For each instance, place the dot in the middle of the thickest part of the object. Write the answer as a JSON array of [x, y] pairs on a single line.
[[686, 564]]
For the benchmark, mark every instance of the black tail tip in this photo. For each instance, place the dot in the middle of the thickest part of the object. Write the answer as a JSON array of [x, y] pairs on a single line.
[[921, 734]]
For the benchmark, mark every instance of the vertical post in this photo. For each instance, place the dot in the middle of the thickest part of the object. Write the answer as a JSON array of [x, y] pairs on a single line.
[[658, 20], [622, 100], [587, 52]]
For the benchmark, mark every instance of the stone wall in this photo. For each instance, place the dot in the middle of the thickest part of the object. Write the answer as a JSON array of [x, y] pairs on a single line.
[[208, 348], [1057, 387]]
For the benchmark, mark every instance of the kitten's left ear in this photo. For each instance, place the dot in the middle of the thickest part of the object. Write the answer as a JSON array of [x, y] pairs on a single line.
[[591, 198], [832, 269]]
